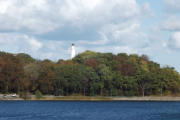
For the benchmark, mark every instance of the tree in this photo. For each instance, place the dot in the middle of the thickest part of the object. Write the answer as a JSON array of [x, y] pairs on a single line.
[[25, 58], [46, 77], [144, 81], [12, 75], [92, 63], [38, 94], [106, 76], [89, 74], [33, 72]]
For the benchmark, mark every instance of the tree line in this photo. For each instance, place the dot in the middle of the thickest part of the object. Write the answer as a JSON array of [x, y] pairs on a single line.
[[89, 74]]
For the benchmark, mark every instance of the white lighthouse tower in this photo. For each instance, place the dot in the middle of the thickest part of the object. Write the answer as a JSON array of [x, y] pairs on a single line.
[[73, 52]]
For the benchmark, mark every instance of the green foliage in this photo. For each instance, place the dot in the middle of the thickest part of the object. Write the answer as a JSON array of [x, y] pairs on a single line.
[[84, 56], [38, 94], [88, 74], [26, 59]]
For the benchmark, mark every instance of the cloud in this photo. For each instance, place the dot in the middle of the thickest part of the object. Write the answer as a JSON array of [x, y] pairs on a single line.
[[126, 34], [172, 24], [116, 22], [30, 16], [41, 16], [175, 40], [45, 29], [173, 4], [16, 42], [22, 43], [34, 43], [98, 11]]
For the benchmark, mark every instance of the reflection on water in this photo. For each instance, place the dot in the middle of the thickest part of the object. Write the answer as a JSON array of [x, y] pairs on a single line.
[[58, 110]]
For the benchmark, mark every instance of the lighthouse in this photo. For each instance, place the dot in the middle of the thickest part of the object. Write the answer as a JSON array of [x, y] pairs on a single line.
[[73, 52]]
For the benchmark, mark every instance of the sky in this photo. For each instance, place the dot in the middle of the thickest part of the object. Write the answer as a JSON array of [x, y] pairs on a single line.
[[45, 29]]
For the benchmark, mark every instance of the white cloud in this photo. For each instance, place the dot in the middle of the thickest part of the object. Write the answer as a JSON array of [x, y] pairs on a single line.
[[34, 43], [126, 34], [22, 43], [102, 41], [172, 24], [29, 15], [16, 42], [4, 6], [173, 4], [117, 23], [41, 16], [175, 40], [101, 11]]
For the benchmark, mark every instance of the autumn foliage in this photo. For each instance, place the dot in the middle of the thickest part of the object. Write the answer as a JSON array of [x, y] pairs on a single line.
[[89, 74]]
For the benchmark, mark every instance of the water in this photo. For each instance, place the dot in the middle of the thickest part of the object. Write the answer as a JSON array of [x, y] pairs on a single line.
[[58, 110]]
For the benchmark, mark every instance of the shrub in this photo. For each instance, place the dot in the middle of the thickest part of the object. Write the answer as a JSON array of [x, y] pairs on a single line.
[[38, 94]]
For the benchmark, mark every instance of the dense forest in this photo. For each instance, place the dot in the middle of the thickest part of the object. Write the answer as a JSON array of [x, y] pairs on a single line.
[[88, 74]]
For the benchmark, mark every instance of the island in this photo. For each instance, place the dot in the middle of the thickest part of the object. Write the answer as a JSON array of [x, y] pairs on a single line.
[[88, 76]]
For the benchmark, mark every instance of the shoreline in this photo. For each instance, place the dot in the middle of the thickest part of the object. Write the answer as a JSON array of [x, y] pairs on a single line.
[[80, 98], [97, 98]]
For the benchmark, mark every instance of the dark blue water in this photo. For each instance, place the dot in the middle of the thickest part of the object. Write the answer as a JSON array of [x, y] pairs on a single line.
[[57, 110]]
